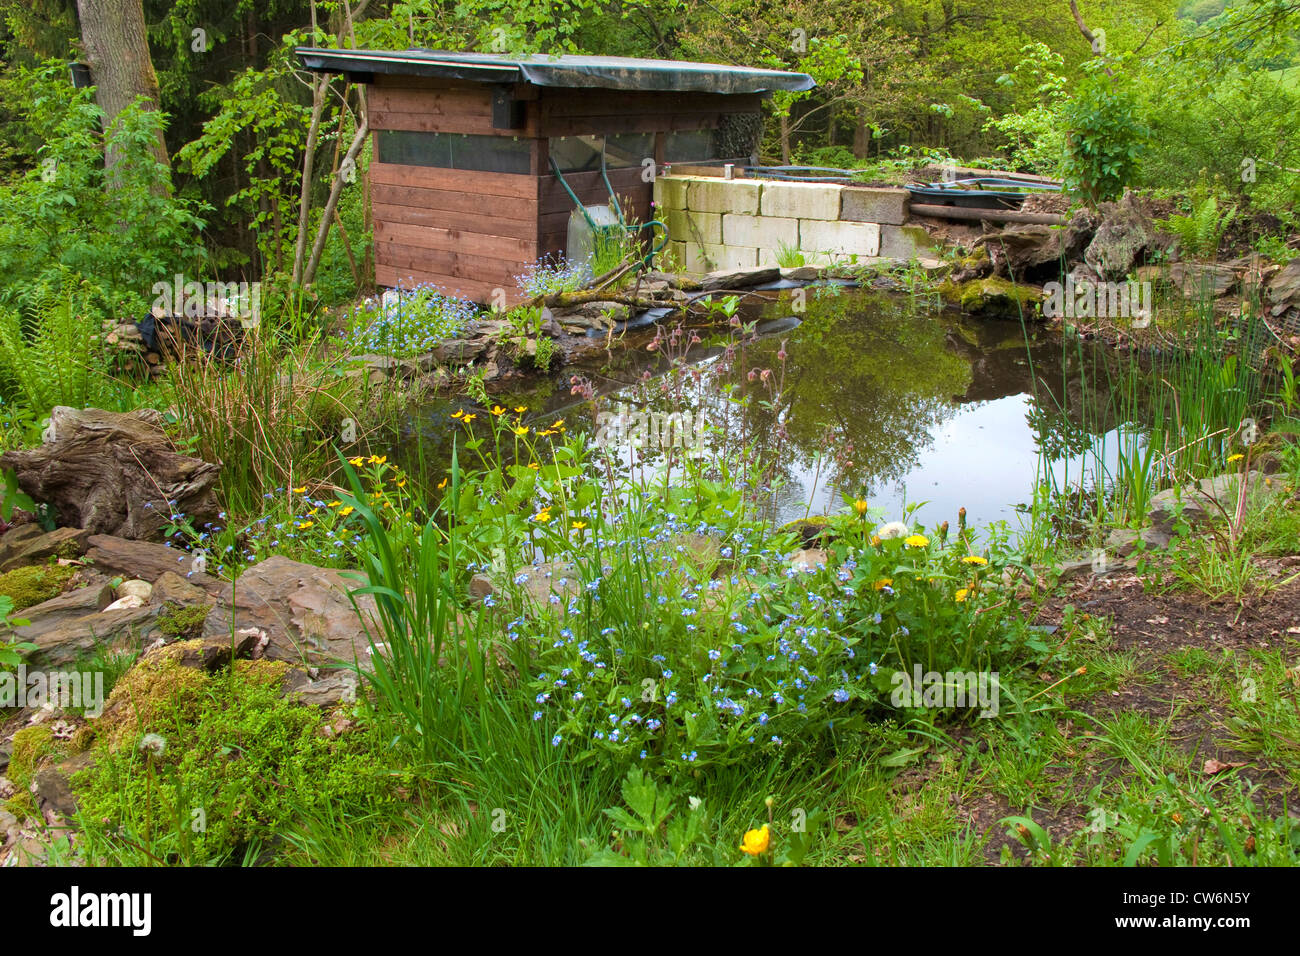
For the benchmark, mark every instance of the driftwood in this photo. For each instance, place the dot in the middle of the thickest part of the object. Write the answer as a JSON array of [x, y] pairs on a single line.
[[114, 474]]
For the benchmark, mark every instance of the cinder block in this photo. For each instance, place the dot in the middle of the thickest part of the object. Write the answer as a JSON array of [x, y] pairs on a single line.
[[801, 200], [761, 232], [872, 204], [702, 257], [738, 257], [690, 226], [670, 192], [905, 242], [707, 194], [676, 251], [839, 239]]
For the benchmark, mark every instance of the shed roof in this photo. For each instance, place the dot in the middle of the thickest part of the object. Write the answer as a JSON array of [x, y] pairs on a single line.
[[599, 72]]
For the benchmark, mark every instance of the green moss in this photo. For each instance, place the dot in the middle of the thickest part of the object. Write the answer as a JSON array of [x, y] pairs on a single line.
[[31, 746], [157, 684], [237, 769], [182, 621], [992, 297], [31, 585]]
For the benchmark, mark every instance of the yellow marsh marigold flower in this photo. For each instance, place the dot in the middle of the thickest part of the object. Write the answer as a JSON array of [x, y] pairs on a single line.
[[300, 491], [542, 516], [304, 525], [335, 504], [521, 430], [442, 484], [1236, 457], [520, 409], [377, 459], [961, 595], [860, 507], [498, 411], [756, 841], [579, 525], [469, 418], [916, 541], [346, 511], [459, 413], [534, 466], [975, 559], [356, 462]]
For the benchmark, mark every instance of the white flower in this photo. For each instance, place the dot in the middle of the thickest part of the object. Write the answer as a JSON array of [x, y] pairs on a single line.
[[895, 529], [154, 744], [695, 802]]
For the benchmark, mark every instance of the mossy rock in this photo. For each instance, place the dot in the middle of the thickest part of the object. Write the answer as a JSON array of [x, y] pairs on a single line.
[[32, 585], [32, 746], [157, 682], [183, 622], [992, 298], [812, 531]]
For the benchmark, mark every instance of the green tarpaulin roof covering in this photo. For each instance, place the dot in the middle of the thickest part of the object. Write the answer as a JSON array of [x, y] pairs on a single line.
[[599, 72]]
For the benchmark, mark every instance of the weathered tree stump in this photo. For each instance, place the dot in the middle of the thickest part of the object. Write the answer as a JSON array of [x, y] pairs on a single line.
[[115, 474]]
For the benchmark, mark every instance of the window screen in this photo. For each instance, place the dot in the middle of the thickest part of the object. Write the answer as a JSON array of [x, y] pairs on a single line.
[[487, 154], [736, 137], [577, 153]]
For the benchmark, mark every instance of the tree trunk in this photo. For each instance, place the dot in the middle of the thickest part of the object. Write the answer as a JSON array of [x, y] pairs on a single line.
[[113, 34], [861, 135]]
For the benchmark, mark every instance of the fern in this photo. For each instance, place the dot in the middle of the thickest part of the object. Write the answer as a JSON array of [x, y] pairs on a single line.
[[1200, 232], [50, 358]]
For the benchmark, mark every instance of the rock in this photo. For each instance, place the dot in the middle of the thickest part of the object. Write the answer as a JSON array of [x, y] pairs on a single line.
[[213, 652], [739, 278], [66, 638], [1121, 542], [1207, 498], [547, 583], [303, 609], [1025, 253], [461, 351], [330, 690], [802, 273], [122, 603], [1125, 232], [53, 785], [27, 544], [1196, 280], [809, 559], [114, 474], [596, 315], [993, 298], [149, 561], [135, 587], [171, 587], [70, 605]]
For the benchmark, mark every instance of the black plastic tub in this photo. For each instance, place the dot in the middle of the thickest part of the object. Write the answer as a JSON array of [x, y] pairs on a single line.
[[981, 193]]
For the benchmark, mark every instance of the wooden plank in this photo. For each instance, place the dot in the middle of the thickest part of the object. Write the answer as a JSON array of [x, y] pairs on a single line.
[[509, 185], [457, 240], [626, 123], [472, 289], [407, 259], [451, 123], [470, 101], [454, 201], [477, 222], [557, 102]]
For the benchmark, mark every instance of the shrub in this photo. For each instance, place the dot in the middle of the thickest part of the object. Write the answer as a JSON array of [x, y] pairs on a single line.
[[406, 322]]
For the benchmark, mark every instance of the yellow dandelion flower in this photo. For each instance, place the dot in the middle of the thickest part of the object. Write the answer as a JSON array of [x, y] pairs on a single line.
[[1236, 457], [916, 541], [961, 595], [875, 539], [975, 559], [757, 841], [860, 507], [883, 583]]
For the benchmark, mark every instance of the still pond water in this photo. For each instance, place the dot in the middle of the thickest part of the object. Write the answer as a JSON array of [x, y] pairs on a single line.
[[874, 399]]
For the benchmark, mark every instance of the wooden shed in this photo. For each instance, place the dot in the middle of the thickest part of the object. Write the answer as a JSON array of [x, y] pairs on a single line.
[[462, 187]]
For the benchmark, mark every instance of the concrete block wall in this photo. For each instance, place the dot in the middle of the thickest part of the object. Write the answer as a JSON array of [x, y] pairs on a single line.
[[718, 223]]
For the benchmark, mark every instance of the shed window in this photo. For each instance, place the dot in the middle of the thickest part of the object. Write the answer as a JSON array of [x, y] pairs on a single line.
[[736, 137], [487, 154], [578, 153]]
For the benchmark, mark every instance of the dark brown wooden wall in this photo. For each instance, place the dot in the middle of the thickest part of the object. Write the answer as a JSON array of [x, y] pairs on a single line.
[[471, 233]]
